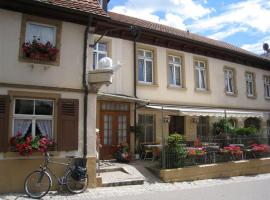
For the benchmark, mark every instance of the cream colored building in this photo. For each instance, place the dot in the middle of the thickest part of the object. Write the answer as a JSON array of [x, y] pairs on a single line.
[[46, 95], [192, 101]]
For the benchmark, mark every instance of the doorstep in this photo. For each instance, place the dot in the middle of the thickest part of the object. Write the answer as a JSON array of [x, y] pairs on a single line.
[[119, 174]]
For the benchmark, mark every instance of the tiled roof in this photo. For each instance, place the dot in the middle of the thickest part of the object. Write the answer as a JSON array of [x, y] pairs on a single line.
[[88, 6], [179, 33]]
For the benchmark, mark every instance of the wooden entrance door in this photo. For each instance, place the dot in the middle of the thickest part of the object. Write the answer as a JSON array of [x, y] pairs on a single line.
[[114, 127]]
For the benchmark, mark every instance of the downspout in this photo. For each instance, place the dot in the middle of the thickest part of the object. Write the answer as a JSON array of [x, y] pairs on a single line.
[[85, 87], [136, 33]]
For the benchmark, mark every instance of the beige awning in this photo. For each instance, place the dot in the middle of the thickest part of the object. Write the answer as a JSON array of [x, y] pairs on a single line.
[[212, 112]]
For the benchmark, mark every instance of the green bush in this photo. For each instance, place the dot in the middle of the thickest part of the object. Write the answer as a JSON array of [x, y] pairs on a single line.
[[175, 139], [249, 131], [223, 126]]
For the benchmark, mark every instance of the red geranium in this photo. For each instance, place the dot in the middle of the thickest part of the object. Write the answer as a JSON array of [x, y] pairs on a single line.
[[39, 51], [262, 148], [25, 145]]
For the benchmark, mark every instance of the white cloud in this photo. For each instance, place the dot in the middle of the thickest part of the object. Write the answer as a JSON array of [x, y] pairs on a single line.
[[253, 14], [224, 34], [175, 11], [257, 47]]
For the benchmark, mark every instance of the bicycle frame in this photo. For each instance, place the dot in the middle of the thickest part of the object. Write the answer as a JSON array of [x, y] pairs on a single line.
[[45, 167]]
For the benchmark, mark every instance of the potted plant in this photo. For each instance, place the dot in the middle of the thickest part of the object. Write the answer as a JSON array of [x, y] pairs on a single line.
[[122, 153]]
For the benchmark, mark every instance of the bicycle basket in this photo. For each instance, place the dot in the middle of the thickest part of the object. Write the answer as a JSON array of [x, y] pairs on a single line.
[[79, 173]]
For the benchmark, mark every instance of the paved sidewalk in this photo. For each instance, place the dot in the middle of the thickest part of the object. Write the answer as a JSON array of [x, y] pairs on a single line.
[[152, 185]]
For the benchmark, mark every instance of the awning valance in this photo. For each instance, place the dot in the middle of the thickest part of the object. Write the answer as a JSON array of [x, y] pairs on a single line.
[[212, 112], [121, 97]]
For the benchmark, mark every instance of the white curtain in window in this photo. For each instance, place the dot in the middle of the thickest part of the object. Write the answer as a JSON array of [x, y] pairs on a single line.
[[42, 32], [21, 125], [45, 127]]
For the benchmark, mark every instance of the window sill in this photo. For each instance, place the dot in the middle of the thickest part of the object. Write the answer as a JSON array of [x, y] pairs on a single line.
[[41, 62], [147, 84], [231, 94], [202, 91], [251, 97], [176, 88]]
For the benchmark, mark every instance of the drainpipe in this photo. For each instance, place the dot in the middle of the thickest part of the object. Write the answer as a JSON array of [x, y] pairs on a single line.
[[85, 87], [136, 33]]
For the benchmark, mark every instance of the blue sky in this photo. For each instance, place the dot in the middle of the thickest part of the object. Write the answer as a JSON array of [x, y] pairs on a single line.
[[243, 23]]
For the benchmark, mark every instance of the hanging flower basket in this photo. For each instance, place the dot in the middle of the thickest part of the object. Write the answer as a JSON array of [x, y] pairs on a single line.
[[36, 50], [26, 145]]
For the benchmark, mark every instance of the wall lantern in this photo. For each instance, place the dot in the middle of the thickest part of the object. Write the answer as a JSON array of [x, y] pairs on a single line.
[[166, 119]]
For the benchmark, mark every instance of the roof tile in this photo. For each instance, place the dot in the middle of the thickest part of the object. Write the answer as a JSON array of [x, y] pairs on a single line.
[[89, 6]]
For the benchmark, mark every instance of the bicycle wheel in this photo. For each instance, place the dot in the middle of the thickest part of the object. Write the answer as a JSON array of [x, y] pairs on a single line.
[[75, 186], [37, 184]]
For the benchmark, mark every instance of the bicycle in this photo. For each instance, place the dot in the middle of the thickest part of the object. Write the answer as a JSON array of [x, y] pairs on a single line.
[[38, 183]]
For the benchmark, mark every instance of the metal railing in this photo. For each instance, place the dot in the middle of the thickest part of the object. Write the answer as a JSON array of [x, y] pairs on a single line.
[[214, 152]]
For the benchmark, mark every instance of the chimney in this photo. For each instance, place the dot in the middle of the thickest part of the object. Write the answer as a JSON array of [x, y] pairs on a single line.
[[104, 4]]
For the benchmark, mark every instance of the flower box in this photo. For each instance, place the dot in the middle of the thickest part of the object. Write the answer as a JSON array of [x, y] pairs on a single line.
[[36, 50], [26, 145]]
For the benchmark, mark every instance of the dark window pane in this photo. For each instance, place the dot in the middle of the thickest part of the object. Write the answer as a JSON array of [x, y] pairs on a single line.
[[141, 69], [23, 106], [102, 46], [148, 71], [44, 107]]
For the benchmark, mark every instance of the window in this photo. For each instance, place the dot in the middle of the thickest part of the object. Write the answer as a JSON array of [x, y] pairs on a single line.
[[145, 66], [250, 84], [267, 86], [100, 51], [252, 122], [233, 122], [229, 81], [41, 32], [147, 122], [33, 117], [203, 128], [175, 71], [200, 74]]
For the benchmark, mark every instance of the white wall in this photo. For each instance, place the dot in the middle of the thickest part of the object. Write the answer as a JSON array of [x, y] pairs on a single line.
[[68, 74]]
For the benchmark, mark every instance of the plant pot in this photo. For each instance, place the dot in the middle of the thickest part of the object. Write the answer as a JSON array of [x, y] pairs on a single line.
[[137, 156]]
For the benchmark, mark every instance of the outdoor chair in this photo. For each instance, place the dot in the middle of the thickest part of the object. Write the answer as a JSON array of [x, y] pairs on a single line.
[[147, 153]]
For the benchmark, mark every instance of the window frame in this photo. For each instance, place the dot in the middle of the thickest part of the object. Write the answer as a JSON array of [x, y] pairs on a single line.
[[254, 95], [206, 74], [44, 25], [108, 42], [33, 117], [234, 84], [13, 94], [154, 65], [96, 52], [144, 126], [265, 84], [182, 69], [145, 60], [45, 22]]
